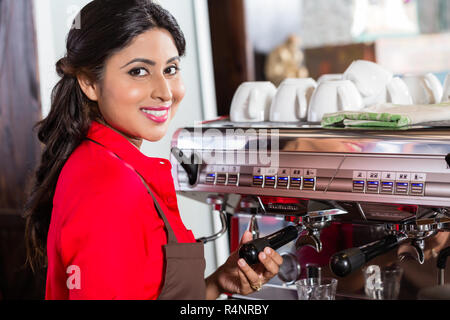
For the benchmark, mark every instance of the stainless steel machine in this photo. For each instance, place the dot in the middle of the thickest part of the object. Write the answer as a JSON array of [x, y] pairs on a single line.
[[395, 180]]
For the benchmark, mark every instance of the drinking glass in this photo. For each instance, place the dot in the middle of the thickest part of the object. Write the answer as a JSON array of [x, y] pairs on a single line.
[[316, 288], [382, 283]]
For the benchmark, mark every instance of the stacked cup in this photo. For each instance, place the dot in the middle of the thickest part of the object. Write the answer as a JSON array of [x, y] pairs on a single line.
[[251, 101], [364, 83], [376, 84]]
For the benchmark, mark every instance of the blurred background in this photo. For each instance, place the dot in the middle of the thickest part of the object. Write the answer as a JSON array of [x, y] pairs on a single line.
[[228, 42]]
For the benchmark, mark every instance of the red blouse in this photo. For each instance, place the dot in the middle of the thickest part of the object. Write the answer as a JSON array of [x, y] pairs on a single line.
[[106, 238]]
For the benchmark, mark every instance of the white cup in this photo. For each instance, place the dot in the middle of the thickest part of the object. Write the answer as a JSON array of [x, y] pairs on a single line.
[[397, 92], [424, 88], [330, 76], [370, 79], [290, 103], [446, 90], [251, 101], [333, 96]]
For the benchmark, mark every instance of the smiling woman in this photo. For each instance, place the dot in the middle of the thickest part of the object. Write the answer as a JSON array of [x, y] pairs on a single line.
[[102, 216], [141, 87]]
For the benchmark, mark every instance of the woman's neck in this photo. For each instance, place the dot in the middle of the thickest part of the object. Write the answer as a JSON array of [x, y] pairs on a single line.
[[137, 142]]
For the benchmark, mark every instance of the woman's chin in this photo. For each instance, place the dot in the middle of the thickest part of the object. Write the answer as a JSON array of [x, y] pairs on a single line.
[[155, 135]]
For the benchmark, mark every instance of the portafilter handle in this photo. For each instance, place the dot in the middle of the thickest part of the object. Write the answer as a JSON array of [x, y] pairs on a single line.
[[249, 251], [345, 262]]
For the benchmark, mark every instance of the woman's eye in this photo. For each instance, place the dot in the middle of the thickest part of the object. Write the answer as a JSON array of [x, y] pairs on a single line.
[[172, 70], [138, 72]]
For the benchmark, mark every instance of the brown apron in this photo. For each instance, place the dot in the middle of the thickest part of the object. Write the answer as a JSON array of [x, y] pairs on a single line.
[[185, 262]]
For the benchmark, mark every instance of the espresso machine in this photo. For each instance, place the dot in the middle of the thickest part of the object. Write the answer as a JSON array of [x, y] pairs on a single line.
[[304, 178]]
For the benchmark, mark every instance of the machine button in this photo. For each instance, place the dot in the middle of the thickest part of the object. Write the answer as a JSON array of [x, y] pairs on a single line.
[[417, 185], [372, 186], [309, 184], [417, 189], [269, 182], [402, 183], [258, 181], [359, 181], [233, 179], [387, 187], [221, 178], [373, 182], [210, 178], [401, 187], [282, 182], [358, 185], [295, 183]]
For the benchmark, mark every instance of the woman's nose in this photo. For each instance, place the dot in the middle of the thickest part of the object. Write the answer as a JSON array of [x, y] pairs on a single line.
[[161, 89]]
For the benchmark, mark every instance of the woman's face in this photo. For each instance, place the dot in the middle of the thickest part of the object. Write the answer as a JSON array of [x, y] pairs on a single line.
[[142, 87]]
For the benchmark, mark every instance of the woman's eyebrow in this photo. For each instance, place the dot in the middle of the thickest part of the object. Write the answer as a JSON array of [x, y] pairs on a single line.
[[147, 61], [173, 59], [143, 60]]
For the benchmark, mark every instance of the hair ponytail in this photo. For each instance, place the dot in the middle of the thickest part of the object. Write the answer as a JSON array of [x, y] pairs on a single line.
[[61, 132], [106, 26]]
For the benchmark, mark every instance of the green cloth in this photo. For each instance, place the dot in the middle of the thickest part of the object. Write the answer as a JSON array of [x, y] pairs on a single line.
[[388, 115]]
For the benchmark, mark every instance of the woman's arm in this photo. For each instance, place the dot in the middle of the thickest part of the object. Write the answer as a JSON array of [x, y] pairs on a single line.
[[236, 276], [212, 287]]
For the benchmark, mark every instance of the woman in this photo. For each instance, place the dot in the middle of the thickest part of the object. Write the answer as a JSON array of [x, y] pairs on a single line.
[[102, 215]]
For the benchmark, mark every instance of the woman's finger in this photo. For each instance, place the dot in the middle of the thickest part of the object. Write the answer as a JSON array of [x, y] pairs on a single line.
[[243, 278], [250, 274], [274, 255], [271, 267]]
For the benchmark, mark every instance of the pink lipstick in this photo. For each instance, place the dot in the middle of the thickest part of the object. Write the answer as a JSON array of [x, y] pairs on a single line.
[[158, 114]]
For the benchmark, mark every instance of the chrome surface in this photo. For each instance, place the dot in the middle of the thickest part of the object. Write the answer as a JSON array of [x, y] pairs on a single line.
[[401, 170], [290, 269], [217, 203], [394, 179], [253, 227], [223, 135]]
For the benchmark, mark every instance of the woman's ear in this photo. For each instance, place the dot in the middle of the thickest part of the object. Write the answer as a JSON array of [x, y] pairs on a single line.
[[89, 88]]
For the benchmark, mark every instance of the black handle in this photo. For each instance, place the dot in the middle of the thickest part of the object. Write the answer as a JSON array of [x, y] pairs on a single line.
[[249, 251], [447, 159], [189, 165], [345, 262], [442, 258]]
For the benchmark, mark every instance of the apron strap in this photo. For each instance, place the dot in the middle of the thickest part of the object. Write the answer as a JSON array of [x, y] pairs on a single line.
[[171, 238]]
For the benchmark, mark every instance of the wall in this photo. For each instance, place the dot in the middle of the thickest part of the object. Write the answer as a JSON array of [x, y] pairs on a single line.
[[53, 18]]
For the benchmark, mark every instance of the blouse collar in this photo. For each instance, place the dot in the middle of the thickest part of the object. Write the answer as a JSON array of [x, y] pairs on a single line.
[[127, 151]]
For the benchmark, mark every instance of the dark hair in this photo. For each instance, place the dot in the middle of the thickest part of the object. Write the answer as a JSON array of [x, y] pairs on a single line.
[[102, 28]]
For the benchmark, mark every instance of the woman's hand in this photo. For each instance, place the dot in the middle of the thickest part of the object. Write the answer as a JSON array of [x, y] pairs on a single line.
[[236, 276]]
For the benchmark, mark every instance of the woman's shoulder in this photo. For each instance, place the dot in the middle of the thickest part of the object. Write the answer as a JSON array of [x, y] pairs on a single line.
[[91, 168], [95, 186]]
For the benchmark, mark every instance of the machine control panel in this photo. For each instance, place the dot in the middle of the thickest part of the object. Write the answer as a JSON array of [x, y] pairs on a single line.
[[369, 182], [401, 183]]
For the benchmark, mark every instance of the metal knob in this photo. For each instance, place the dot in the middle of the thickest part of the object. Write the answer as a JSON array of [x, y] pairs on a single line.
[[290, 269], [253, 227]]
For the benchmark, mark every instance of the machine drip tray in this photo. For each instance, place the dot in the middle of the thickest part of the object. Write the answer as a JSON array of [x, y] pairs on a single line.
[[271, 292], [279, 292]]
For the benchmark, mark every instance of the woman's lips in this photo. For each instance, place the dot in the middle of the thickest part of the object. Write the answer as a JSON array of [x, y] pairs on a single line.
[[158, 114]]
